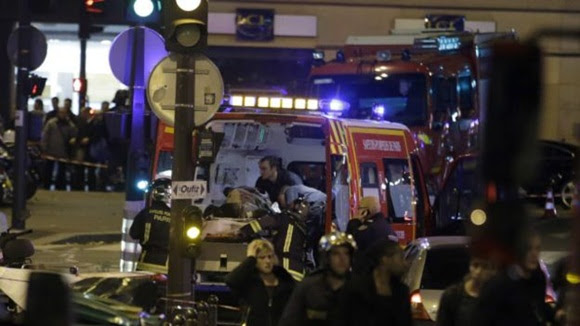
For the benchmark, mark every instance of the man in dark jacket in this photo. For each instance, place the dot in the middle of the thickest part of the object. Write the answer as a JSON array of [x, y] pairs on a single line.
[[370, 225], [261, 285], [315, 300], [151, 228], [57, 136], [273, 177], [289, 238], [379, 297], [516, 296]]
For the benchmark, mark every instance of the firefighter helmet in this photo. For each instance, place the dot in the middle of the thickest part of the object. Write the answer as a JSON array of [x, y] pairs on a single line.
[[161, 190], [336, 239]]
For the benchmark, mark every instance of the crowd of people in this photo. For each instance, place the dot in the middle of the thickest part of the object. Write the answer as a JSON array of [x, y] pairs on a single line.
[[77, 149], [356, 277]]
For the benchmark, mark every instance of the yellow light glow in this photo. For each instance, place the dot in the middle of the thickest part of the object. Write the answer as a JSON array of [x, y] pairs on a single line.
[[275, 102], [193, 232], [237, 100], [250, 101], [478, 217], [300, 104], [312, 104], [287, 103], [573, 278], [384, 75], [263, 102]]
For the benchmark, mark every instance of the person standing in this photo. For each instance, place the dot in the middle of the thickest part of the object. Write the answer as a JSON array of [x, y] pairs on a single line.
[[457, 304], [57, 137], [367, 227], [36, 121], [81, 148], [262, 286], [151, 228], [516, 295], [54, 112], [378, 297], [289, 229], [315, 299]]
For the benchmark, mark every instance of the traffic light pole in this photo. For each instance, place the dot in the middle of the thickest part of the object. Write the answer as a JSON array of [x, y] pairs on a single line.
[[83, 74], [180, 286], [19, 205]]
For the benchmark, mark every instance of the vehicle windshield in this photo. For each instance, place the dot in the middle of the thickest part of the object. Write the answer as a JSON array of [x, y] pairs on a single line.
[[398, 97], [445, 266]]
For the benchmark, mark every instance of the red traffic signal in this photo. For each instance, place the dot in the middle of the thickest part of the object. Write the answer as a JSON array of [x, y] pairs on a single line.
[[35, 85], [94, 6], [80, 85]]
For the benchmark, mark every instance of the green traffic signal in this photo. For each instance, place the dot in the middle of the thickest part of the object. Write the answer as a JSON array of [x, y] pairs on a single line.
[[192, 229]]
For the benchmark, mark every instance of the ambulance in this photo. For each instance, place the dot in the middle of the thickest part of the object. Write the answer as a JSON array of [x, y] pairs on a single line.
[[345, 158]]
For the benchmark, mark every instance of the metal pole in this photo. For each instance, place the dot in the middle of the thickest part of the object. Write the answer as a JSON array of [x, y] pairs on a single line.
[[83, 74], [134, 200], [180, 268], [19, 204]]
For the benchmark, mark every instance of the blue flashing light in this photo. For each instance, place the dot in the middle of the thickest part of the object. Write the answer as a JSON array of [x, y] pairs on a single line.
[[142, 185], [337, 105], [379, 110]]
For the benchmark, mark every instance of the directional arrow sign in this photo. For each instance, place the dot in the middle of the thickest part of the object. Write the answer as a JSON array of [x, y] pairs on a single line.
[[188, 189]]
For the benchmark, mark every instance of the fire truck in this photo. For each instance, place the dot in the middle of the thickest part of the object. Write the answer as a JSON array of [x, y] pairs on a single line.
[[345, 158], [432, 81]]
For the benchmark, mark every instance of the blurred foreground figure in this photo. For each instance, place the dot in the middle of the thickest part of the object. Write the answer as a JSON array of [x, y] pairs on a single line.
[[459, 301], [516, 296]]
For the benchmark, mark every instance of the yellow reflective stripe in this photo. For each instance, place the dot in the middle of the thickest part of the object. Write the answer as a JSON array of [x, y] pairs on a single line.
[[296, 275], [256, 227], [288, 240], [147, 232], [286, 263], [152, 268]]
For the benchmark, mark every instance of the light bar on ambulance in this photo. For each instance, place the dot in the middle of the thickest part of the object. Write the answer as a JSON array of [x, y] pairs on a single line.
[[275, 102]]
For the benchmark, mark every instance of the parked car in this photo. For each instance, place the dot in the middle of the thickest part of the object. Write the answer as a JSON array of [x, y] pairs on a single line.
[[557, 161], [435, 263]]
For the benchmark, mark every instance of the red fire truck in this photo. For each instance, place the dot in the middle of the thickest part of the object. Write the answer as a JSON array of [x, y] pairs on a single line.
[[434, 83], [345, 158]]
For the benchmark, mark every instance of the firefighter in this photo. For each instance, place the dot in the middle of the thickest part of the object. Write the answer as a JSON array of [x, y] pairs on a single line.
[[315, 299], [369, 225], [151, 228], [289, 229]]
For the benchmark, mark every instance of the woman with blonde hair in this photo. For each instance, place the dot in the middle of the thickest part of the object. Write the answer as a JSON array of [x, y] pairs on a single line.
[[263, 287]]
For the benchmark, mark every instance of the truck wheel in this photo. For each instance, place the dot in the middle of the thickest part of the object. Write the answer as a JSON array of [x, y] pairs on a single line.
[[568, 192]]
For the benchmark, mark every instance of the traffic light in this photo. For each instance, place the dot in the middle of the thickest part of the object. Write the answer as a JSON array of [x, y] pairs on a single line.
[[35, 85], [79, 85], [185, 24], [143, 11], [192, 228], [94, 6]]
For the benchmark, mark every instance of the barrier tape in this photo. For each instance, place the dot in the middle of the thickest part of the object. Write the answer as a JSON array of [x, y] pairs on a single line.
[[75, 162]]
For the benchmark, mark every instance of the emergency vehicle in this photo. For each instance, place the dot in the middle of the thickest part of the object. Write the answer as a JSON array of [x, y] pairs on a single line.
[[433, 81], [346, 158]]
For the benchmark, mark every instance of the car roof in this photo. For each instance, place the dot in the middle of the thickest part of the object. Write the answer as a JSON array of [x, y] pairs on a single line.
[[441, 241]]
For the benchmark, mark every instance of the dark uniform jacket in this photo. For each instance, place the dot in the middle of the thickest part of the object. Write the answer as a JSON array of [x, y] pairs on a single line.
[[361, 305], [373, 229], [289, 239], [509, 299], [246, 284], [285, 178], [151, 228], [456, 307], [313, 302]]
